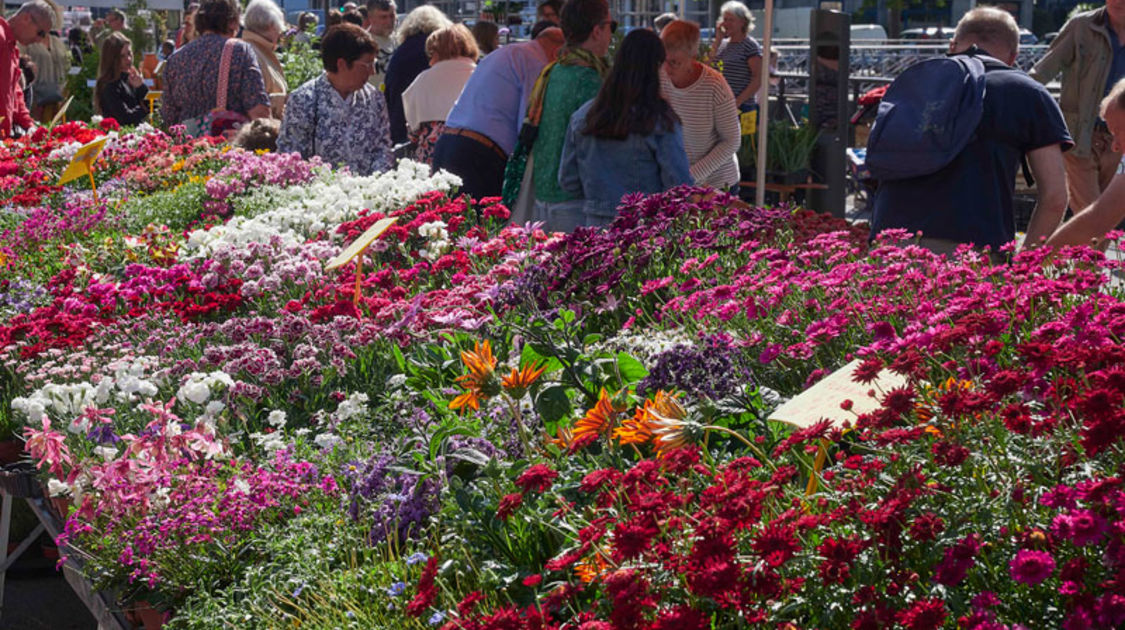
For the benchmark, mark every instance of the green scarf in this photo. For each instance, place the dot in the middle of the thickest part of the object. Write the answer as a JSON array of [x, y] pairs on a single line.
[[517, 162]]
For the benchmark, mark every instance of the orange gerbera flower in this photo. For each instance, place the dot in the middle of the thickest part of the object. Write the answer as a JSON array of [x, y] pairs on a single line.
[[636, 430], [563, 437], [925, 411], [600, 419], [480, 383], [470, 398], [667, 421], [519, 380], [590, 569]]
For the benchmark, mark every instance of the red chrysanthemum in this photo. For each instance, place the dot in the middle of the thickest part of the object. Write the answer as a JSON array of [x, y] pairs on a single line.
[[924, 614], [538, 477]]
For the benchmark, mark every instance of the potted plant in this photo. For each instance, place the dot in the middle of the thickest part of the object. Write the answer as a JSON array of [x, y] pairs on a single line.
[[495, 11], [788, 153]]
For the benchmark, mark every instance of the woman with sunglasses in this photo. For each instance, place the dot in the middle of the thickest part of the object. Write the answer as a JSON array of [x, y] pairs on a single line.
[[628, 139], [339, 116]]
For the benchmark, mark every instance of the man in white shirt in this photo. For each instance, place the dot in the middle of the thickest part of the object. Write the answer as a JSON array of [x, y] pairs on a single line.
[[381, 24]]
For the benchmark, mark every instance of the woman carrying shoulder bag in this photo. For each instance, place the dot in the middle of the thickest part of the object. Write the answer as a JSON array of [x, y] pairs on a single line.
[[197, 91]]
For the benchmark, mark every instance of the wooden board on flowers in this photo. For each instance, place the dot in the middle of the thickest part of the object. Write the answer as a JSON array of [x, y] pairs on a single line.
[[836, 399]]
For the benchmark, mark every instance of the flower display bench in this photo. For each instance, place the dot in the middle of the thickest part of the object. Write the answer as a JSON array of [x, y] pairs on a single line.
[[21, 483]]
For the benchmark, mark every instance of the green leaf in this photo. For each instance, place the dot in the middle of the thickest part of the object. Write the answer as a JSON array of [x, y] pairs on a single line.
[[530, 354], [553, 404], [632, 370], [400, 360]]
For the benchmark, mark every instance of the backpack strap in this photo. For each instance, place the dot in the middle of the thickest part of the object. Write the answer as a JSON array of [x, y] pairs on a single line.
[[993, 64], [224, 74]]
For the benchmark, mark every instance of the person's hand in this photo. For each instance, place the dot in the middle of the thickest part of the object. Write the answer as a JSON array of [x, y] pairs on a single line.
[[720, 31], [135, 79]]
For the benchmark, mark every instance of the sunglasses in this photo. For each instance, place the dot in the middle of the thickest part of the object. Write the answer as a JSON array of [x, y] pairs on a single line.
[[612, 26]]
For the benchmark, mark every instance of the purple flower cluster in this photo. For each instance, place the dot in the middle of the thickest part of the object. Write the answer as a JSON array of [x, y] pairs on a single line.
[[713, 370], [20, 296], [397, 502]]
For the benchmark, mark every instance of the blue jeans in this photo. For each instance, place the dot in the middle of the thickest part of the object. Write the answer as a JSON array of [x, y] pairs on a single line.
[[560, 216]]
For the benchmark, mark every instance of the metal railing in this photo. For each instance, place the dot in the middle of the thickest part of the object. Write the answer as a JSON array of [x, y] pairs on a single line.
[[873, 65]]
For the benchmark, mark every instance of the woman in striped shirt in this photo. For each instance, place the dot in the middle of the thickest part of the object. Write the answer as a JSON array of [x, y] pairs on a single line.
[[705, 104], [737, 54]]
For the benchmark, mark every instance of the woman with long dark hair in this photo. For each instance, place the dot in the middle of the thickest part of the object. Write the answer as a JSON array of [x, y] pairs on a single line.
[[627, 139], [120, 91]]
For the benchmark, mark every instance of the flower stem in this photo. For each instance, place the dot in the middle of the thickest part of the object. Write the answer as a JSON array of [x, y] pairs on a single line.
[[748, 443]]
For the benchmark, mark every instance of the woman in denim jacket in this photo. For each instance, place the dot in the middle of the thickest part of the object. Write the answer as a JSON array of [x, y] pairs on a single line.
[[627, 139]]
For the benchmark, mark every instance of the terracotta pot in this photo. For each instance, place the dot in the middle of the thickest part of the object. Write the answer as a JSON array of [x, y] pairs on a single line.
[[142, 615], [10, 451]]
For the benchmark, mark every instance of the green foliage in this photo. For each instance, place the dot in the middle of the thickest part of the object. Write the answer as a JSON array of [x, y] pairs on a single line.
[[301, 63], [82, 107], [788, 150]]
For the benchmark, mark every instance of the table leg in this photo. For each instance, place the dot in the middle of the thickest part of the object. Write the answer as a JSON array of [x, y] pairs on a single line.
[[5, 528]]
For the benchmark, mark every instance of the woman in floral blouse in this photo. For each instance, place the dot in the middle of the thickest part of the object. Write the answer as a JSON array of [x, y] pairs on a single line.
[[338, 116]]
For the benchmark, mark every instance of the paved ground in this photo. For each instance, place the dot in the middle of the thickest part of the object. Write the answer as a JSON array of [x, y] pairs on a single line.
[[36, 597]]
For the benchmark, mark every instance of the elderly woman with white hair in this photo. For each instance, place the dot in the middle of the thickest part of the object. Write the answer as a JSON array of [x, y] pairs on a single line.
[[263, 24], [737, 54], [408, 61]]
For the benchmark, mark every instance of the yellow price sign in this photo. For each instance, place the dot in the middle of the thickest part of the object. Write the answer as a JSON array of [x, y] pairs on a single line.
[[748, 121], [83, 161], [355, 251], [360, 244], [61, 113]]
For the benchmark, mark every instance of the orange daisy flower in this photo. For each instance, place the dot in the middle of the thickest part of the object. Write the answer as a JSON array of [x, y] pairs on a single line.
[[600, 419], [636, 430], [562, 439], [518, 381], [589, 570], [667, 422], [480, 383]]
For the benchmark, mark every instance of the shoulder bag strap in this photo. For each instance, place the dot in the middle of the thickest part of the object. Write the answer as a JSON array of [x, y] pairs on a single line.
[[224, 74]]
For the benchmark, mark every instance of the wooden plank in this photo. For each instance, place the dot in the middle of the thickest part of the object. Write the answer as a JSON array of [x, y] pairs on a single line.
[[100, 604]]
